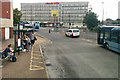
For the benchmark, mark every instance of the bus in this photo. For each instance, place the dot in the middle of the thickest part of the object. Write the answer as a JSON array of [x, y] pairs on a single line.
[[36, 26], [27, 25], [109, 37]]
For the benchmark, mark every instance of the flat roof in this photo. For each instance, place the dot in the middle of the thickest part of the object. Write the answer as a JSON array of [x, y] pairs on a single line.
[[57, 2], [23, 30], [116, 28], [108, 27]]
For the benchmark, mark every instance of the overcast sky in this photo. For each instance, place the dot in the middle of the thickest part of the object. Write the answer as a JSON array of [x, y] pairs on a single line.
[[110, 6]]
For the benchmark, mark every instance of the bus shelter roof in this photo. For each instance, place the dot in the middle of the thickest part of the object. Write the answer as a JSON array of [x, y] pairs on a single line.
[[107, 27], [116, 28], [23, 30]]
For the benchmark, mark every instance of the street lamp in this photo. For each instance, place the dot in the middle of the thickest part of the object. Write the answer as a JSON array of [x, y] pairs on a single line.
[[69, 20], [103, 14], [90, 8], [31, 14], [19, 40]]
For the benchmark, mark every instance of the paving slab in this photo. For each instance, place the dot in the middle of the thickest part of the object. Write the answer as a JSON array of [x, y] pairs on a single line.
[[28, 64]]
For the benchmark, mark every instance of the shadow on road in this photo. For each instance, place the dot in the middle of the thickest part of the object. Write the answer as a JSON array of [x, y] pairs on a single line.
[[110, 50]]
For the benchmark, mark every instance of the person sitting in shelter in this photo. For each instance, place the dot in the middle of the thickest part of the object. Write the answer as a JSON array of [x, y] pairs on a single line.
[[28, 33], [24, 41], [8, 51]]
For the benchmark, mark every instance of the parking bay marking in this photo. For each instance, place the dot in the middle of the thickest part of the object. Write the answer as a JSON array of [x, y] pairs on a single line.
[[35, 67]]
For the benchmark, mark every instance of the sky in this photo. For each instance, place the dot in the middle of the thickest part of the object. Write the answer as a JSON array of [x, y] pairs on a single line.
[[110, 6]]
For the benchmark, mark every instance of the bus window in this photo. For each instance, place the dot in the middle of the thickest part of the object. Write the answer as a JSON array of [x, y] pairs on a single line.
[[107, 35], [101, 34], [119, 37], [114, 36]]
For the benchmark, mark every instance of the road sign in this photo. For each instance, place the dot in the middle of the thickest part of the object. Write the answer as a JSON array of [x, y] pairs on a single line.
[[54, 13]]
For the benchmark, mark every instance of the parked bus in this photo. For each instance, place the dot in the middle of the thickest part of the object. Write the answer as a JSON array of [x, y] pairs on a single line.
[[27, 25], [36, 26], [109, 37]]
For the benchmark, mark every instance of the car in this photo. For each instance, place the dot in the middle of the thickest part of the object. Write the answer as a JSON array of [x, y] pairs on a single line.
[[73, 33]]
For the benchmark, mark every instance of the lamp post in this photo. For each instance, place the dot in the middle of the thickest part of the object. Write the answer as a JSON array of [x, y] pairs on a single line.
[[69, 21], [31, 14], [103, 14], [19, 40]]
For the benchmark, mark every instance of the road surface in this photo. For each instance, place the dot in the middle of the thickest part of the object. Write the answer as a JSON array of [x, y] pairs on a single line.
[[78, 58]]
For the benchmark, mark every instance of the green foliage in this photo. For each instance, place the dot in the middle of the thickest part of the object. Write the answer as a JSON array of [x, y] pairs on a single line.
[[114, 22], [91, 20], [108, 19], [16, 16], [95, 29], [118, 21]]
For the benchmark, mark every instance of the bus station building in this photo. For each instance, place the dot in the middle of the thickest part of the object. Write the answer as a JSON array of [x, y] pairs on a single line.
[[6, 19]]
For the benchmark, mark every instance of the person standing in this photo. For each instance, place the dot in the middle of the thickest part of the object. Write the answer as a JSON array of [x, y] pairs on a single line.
[[32, 37], [49, 31], [28, 43], [25, 42]]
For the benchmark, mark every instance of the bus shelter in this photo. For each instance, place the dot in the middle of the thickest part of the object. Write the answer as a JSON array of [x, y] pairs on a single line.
[[18, 34]]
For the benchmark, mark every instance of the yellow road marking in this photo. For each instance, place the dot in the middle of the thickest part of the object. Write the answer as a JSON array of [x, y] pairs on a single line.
[[33, 60], [37, 55], [37, 62], [44, 63], [34, 67], [36, 51], [37, 69], [37, 66], [36, 58]]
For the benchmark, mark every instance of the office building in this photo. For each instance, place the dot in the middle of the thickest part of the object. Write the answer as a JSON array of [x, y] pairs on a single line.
[[119, 9], [68, 13]]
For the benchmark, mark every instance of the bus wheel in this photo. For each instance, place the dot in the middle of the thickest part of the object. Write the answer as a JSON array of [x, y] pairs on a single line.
[[107, 46]]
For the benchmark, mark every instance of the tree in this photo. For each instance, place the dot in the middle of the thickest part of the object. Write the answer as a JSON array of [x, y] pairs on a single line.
[[91, 20], [118, 20], [16, 16], [108, 19]]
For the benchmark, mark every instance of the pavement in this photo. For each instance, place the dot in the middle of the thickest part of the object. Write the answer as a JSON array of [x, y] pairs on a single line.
[[78, 58], [28, 65], [5, 43]]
